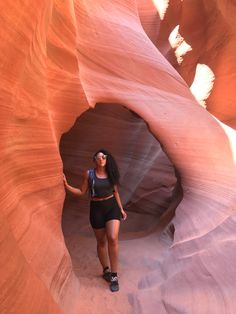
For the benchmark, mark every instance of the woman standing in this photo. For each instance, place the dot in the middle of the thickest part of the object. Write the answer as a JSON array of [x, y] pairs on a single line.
[[105, 211]]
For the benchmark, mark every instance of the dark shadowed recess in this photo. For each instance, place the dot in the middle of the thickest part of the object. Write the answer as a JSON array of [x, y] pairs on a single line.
[[150, 186]]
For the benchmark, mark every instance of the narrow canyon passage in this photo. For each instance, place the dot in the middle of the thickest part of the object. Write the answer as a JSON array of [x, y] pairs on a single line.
[[147, 185], [169, 65]]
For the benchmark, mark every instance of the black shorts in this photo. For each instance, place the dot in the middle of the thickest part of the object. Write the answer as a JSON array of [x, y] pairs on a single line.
[[102, 211]]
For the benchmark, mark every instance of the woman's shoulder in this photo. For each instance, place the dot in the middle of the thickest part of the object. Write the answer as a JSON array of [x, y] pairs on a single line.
[[87, 172], [90, 173]]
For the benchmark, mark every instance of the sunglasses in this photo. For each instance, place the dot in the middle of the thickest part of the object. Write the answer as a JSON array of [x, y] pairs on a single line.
[[101, 157]]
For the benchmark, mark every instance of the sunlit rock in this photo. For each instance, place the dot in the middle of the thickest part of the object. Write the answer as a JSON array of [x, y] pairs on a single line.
[[62, 58]]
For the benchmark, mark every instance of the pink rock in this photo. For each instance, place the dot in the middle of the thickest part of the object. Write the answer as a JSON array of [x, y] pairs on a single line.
[[59, 59]]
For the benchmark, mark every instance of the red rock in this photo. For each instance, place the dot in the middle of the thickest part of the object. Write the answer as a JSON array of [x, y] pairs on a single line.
[[59, 59]]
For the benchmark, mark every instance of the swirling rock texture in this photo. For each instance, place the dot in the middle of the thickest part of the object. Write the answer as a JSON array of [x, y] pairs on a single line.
[[60, 58]]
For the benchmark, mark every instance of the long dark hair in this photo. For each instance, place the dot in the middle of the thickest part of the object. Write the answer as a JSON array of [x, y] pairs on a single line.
[[111, 166]]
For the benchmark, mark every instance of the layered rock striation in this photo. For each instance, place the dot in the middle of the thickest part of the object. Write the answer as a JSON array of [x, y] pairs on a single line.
[[60, 59]]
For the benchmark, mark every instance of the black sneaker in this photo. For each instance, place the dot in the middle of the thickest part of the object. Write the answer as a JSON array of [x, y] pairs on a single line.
[[114, 285], [106, 274]]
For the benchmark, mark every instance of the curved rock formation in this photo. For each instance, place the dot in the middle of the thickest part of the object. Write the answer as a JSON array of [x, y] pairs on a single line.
[[147, 176], [59, 59], [211, 44]]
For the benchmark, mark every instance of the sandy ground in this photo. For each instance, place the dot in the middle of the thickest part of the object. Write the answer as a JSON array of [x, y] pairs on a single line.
[[140, 253]]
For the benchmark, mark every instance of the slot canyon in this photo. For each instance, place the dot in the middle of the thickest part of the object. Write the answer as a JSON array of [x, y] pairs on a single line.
[[152, 81]]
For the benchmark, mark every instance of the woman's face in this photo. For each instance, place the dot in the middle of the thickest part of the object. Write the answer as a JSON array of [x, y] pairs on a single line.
[[101, 159]]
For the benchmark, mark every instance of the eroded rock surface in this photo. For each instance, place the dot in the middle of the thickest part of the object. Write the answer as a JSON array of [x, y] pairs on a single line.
[[60, 58]]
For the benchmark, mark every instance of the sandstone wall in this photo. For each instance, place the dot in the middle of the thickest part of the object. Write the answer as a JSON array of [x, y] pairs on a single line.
[[60, 58]]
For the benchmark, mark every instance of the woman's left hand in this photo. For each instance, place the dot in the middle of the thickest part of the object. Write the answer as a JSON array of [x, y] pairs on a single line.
[[124, 215]]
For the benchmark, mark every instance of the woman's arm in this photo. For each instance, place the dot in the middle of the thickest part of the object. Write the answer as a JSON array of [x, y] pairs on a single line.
[[75, 191], [117, 196]]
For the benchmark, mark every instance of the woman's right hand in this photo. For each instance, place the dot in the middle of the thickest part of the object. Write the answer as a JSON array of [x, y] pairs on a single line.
[[73, 190], [64, 179]]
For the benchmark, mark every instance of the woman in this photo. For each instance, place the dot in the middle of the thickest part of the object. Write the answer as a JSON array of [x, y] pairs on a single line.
[[105, 211]]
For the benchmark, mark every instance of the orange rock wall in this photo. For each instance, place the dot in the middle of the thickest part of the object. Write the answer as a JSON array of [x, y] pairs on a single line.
[[60, 58]]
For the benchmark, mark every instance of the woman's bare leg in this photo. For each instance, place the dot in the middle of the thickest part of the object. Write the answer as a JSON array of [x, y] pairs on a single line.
[[101, 238], [112, 232]]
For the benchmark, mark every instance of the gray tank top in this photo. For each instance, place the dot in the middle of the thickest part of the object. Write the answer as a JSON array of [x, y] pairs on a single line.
[[102, 187]]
